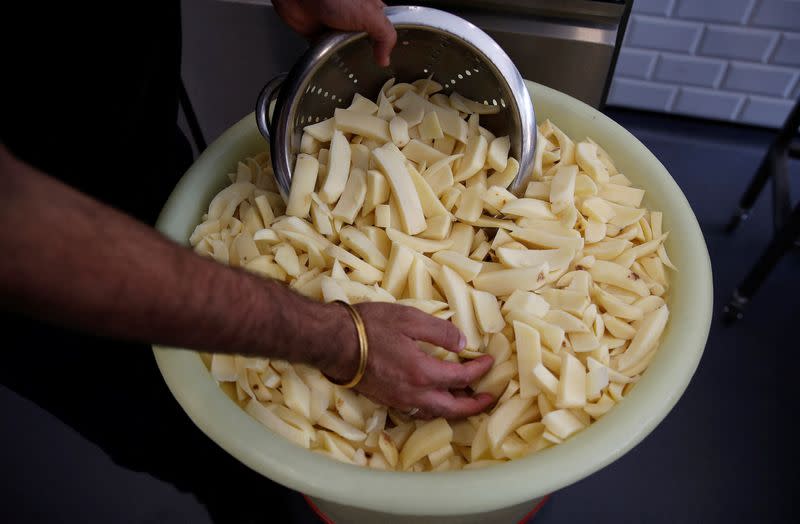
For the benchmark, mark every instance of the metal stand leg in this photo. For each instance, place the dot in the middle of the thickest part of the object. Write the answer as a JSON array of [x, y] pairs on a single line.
[[781, 242], [748, 200], [773, 165]]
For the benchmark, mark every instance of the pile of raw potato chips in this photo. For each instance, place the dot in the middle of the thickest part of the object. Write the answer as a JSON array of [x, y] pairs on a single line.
[[404, 200]]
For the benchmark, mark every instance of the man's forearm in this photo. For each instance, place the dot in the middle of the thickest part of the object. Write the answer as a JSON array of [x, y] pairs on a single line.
[[76, 262]]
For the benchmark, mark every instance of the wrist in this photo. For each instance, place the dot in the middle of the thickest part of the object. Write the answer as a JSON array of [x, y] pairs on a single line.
[[334, 346]]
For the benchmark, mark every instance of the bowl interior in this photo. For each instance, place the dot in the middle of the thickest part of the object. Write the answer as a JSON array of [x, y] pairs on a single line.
[[454, 493]]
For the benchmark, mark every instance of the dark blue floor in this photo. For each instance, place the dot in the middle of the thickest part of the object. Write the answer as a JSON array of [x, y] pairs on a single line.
[[726, 453]]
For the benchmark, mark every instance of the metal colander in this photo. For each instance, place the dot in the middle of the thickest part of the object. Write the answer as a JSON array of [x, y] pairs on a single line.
[[460, 56]]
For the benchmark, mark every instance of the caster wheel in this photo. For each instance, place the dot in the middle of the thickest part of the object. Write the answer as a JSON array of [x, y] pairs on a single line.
[[734, 309]]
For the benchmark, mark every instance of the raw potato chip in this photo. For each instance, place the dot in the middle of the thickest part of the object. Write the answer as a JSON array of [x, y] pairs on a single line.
[[403, 199]]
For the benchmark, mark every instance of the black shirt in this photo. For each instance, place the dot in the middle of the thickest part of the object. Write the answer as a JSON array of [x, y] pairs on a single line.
[[91, 96]]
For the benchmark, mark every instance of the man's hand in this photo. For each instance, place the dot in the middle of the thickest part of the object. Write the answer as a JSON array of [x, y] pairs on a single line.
[[107, 274], [309, 17], [401, 375]]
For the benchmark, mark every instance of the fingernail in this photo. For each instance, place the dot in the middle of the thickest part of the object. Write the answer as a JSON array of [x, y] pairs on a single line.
[[462, 341]]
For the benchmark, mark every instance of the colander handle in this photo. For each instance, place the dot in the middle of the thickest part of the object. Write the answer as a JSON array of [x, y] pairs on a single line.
[[266, 97]]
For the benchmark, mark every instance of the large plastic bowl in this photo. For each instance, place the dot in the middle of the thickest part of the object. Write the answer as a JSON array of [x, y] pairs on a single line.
[[500, 493]]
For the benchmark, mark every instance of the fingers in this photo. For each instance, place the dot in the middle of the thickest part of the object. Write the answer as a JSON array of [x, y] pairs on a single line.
[[442, 333], [384, 37], [299, 16], [445, 404], [449, 375], [371, 19]]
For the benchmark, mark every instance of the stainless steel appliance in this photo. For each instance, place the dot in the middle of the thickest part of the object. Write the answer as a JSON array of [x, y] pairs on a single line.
[[569, 45]]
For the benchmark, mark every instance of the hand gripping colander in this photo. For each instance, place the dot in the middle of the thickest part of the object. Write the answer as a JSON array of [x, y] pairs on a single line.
[[460, 56]]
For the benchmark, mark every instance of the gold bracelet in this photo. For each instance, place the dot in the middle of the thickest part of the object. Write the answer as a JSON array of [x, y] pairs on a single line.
[[361, 329]]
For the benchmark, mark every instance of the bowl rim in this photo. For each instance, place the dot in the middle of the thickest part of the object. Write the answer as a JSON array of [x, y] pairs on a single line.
[[449, 493]]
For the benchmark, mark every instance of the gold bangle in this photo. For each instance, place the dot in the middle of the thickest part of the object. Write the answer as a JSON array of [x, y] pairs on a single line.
[[361, 329]]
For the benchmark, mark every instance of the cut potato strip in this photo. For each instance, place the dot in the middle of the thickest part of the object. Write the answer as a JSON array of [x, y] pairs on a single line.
[[562, 423], [430, 128], [599, 408], [567, 322], [504, 178], [562, 187], [470, 205], [526, 303], [368, 126], [506, 281], [519, 258], [352, 198], [497, 379], [399, 264], [487, 311], [647, 335], [586, 157], [338, 425], [528, 208], [607, 249], [440, 180], [574, 302], [506, 418], [398, 129], [332, 291], [385, 109], [274, 423], [498, 153], [529, 355], [420, 285], [359, 156], [391, 162], [421, 245], [552, 335], [544, 380], [538, 189], [426, 439], [361, 245], [322, 131], [439, 227], [369, 272], [548, 240], [496, 197], [383, 216], [474, 158], [571, 384], [623, 195], [457, 293], [361, 104], [338, 169], [431, 205], [467, 268], [616, 275]]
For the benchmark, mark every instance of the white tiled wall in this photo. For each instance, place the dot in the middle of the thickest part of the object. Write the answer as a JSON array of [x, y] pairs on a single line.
[[735, 60]]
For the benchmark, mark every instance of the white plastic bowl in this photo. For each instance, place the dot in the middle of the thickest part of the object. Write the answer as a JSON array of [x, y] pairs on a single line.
[[501, 493]]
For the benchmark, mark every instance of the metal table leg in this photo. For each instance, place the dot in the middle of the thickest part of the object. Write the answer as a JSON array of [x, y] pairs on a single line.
[[781, 242], [773, 165]]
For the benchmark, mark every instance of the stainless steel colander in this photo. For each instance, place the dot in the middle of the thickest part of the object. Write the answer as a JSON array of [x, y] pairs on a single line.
[[460, 56]]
